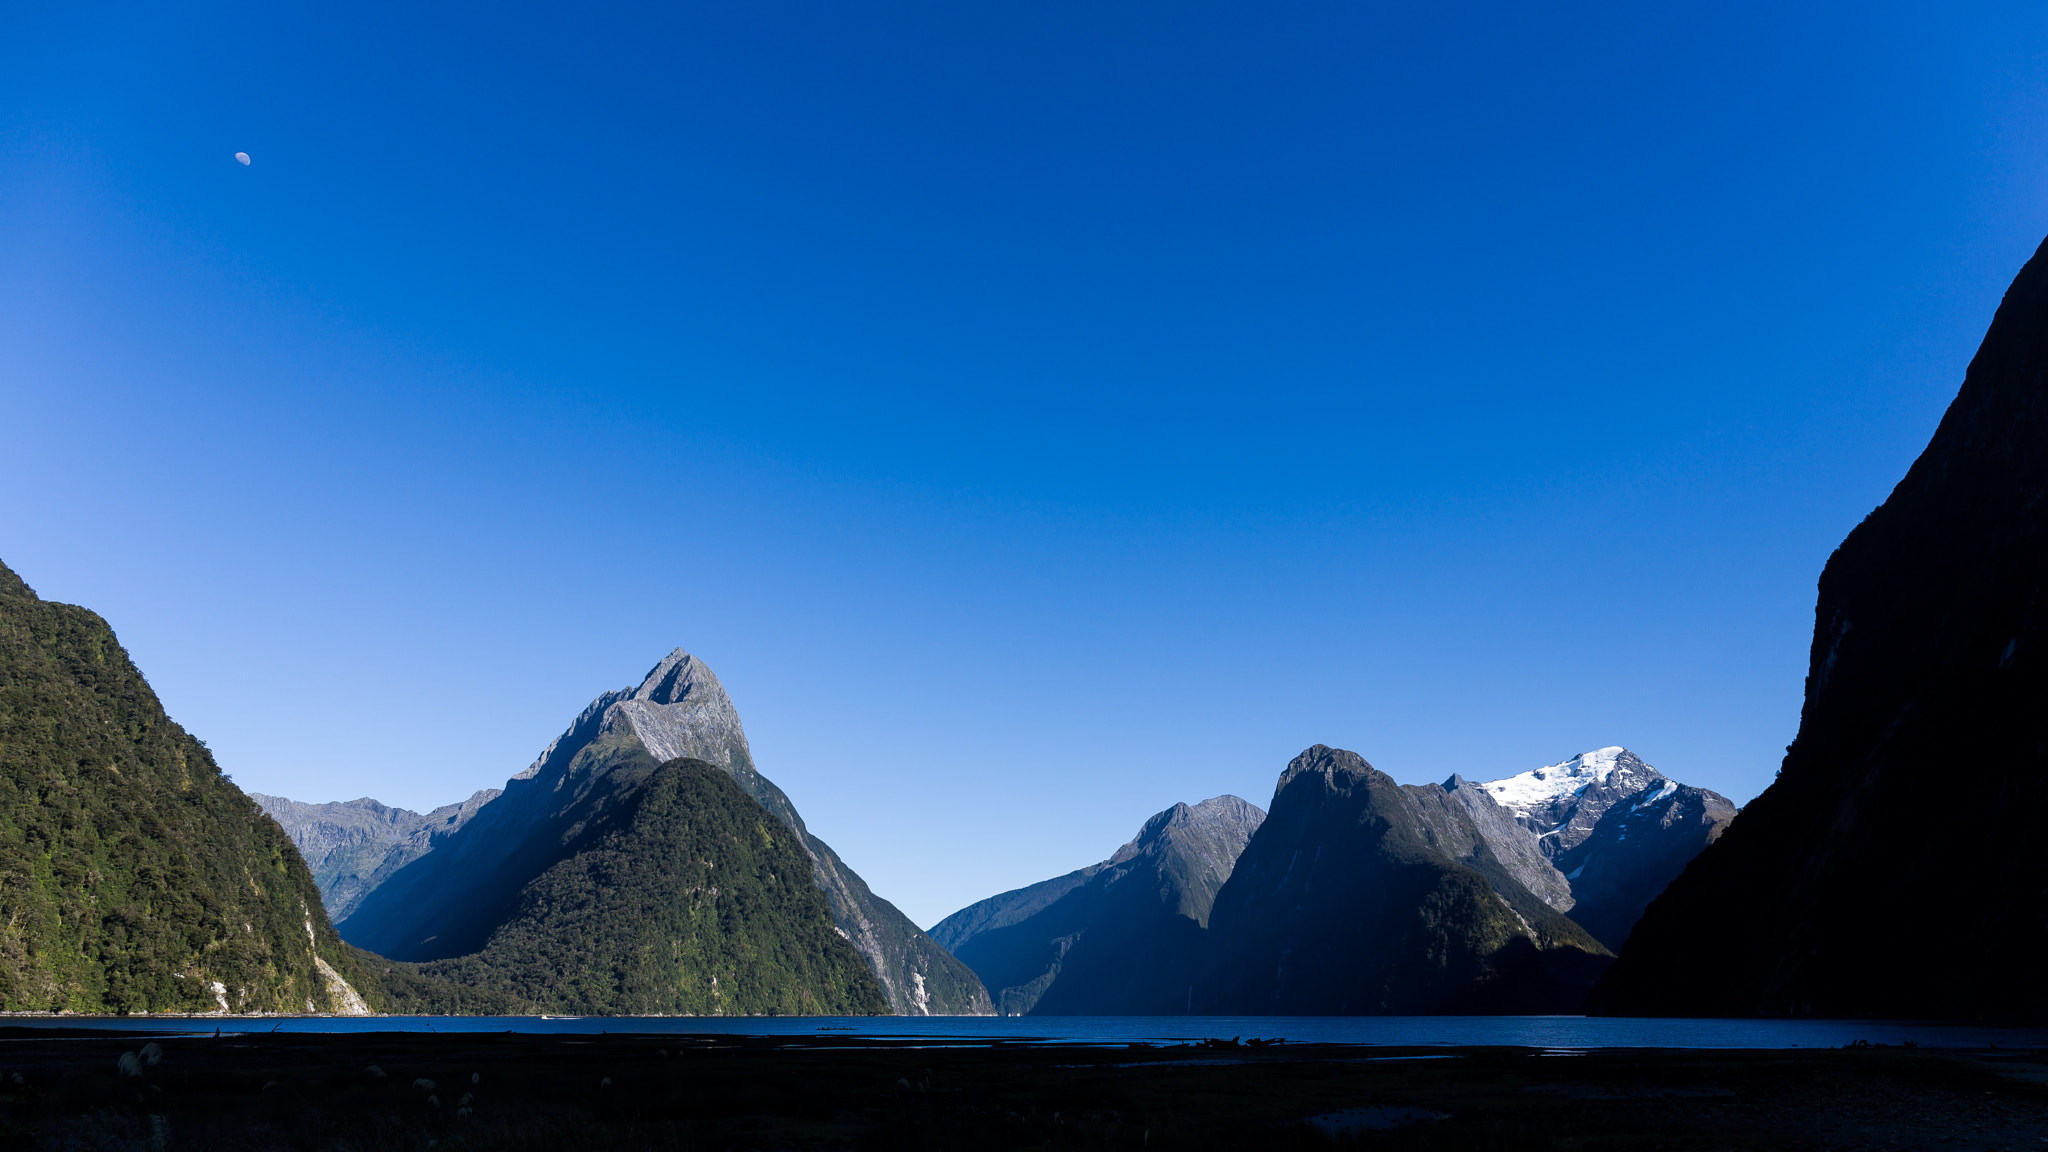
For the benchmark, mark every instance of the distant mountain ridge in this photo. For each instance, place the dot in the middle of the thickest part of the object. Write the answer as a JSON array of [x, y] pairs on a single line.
[[1115, 938], [448, 902], [1596, 836], [354, 845]]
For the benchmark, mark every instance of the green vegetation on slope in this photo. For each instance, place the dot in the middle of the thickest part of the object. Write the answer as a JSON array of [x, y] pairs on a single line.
[[401, 989], [682, 896], [133, 874]]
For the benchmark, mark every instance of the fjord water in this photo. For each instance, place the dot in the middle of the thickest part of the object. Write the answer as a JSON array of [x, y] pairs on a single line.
[[1563, 1032]]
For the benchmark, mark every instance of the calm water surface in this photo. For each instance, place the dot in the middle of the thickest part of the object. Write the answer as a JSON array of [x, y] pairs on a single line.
[[1518, 1031]]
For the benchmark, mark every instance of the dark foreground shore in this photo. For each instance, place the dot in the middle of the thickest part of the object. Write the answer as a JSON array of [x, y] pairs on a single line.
[[416, 1091]]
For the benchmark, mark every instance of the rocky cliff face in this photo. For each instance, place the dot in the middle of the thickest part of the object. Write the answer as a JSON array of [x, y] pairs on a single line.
[[134, 876], [1463, 820], [1122, 937], [1639, 845], [1349, 900], [352, 846], [1852, 886], [449, 902]]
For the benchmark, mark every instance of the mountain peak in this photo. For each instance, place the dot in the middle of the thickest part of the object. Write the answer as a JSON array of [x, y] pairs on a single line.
[[1348, 900], [1118, 937], [1539, 788], [681, 710], [678, 678], [448, 903], [1232, 818], [1340, 769], [1230, 808]]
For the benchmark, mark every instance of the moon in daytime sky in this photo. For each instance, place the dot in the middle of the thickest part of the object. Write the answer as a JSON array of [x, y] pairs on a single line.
[[243, 157]]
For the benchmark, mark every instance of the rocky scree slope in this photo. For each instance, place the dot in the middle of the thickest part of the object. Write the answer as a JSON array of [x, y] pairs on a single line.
[[134, 875], [1121, 937], [1853, 885], [449, 902], [354, 845], [1351, 898]]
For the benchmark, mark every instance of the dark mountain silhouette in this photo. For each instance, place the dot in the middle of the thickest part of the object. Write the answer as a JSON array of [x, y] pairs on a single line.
[[1351, 899], [1898, 866]]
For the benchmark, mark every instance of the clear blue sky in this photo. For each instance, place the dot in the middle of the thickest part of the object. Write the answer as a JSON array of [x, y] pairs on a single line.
[[1036, 413]]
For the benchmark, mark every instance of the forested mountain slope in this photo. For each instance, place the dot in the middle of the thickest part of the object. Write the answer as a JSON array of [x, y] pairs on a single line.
[[452, 901], [134, 876], [683, 896]]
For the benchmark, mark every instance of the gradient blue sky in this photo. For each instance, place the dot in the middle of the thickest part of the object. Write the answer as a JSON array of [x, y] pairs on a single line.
[[1036, 413]]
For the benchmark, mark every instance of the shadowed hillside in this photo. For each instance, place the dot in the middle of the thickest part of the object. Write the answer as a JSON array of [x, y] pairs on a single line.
[[1347, 902], [1123, 937], [1899, 864]]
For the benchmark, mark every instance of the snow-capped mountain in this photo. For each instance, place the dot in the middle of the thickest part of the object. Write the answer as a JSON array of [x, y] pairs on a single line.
[[1562, 802], [1614, 830]]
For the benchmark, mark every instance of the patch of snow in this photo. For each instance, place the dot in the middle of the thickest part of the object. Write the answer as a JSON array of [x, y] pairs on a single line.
[[1669, 787], [1518, 794]]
